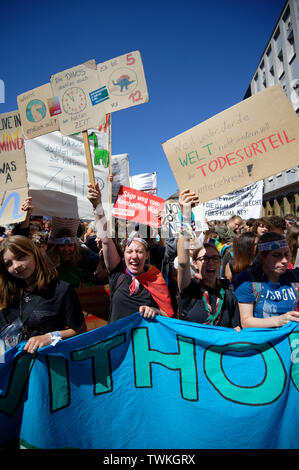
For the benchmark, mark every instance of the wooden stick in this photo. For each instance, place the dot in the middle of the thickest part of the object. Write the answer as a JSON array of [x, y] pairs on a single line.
[[88, 157], [110, 172]]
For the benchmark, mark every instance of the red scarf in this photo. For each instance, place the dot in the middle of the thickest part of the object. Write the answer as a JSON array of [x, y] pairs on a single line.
[[153, 281]]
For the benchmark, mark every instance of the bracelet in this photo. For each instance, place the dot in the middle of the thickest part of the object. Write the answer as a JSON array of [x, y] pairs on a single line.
[[55, 337]]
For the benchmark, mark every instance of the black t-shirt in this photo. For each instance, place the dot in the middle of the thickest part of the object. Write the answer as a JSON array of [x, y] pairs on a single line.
[[122, 303], [58, 308], [192, 307]]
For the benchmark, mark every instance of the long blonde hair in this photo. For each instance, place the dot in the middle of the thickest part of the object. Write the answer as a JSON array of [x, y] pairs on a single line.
[[12, 288]]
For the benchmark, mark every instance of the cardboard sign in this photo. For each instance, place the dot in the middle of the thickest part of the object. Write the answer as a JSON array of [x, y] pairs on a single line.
[[246, 202], [78, 94], [125, 80], [244, 144], [139, 206], [37, 116], [13, 180]]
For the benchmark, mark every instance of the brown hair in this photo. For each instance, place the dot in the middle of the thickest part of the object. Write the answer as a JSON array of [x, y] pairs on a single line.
[[244, 249], [205, 245], [53, 252], [292, 239], [12, 288]]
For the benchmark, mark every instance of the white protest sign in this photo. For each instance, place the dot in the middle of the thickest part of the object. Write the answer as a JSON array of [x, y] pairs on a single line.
[[244, 144], [13, 179], [171, 219], [80, 99], [246, 202], [125, 80], [37, 115], [145, 182], [120, 169], [58, 176]]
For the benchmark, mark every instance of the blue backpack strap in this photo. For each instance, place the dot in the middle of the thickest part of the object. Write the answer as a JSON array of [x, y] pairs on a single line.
[[256, 287]]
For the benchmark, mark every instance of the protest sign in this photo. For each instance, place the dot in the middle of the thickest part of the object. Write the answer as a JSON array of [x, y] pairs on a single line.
[[120, 170], [37, 116], [246, 202], [79, 98], [13, 179], [239, 146], [145, 182], [58, 176], [172, 219], [125, 80], [93, 391], [139, 206]]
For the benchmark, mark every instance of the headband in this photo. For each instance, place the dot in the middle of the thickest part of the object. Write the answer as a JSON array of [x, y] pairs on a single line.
[[273, 245], [63, 240], [137, 239]]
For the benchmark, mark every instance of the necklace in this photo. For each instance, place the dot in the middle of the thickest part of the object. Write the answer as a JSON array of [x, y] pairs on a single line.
[[213, 318]]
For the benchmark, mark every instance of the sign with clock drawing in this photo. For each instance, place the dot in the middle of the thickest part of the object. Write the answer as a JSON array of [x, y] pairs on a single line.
[[125, 81], [80, 98]]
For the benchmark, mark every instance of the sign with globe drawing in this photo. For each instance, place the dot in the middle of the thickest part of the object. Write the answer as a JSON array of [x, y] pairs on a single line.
[[36, 118]]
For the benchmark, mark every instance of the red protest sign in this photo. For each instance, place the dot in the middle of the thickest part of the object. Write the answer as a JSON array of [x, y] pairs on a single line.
[[140, 206]]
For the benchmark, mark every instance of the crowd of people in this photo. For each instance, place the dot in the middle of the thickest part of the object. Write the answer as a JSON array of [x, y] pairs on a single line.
[[237, 274]]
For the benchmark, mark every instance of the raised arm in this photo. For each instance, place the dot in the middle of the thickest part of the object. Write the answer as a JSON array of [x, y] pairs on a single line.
[[110, 253], [187, 200]]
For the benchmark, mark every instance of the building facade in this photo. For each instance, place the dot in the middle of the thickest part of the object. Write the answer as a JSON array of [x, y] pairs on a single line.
[[279, 64]]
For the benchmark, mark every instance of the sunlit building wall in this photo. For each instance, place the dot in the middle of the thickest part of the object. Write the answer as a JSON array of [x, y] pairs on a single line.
[[280, 64]]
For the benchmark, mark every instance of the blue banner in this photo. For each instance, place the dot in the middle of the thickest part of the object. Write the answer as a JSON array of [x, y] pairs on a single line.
[[159, 384]]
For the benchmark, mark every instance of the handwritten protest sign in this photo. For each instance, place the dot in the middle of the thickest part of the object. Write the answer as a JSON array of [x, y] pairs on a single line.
[[57, 173], [80, 98], [36, 111], [239, 146], [246, 202], [13, 180], [125, 80], [139, 206]]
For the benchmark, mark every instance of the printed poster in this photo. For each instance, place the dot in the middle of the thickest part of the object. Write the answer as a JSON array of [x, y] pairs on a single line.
[[246, 143], [139, 206]]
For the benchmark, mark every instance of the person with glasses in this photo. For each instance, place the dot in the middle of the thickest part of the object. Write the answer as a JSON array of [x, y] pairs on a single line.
[[268, 292], [206, 300]]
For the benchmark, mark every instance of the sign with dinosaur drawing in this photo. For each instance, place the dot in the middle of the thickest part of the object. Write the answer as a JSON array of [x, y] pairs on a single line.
[[246, 143], [36, 113], [125, 81], [81, 98], [13, 179]]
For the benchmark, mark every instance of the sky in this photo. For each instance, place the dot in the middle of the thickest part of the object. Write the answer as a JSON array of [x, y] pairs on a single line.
[[198, 57]]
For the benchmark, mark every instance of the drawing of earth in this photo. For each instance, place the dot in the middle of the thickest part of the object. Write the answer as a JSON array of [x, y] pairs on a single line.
[[36, 111]]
